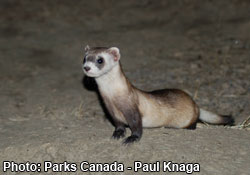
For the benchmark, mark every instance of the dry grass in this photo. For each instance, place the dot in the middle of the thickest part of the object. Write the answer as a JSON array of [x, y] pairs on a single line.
[[195, 96], [78, 111]]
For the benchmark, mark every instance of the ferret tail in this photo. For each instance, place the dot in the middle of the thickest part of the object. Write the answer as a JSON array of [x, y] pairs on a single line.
[[212, 118]]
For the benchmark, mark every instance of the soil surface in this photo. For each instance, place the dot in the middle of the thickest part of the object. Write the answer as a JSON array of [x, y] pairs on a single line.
[[49, 111]]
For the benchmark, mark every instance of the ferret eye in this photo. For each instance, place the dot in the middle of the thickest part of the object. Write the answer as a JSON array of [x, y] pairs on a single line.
[[84, 59], [100, 60]]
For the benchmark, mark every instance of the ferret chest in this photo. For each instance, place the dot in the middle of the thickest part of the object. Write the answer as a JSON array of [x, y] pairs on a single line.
[[116, 108]]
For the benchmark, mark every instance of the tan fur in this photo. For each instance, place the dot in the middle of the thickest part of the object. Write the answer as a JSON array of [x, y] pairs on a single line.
[[178, 110], [179, 113], [119, 92]]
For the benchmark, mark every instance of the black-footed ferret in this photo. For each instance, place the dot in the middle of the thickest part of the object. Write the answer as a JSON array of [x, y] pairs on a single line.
[[135, 108]]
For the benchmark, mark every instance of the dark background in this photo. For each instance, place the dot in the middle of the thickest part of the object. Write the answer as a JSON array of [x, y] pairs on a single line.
[[202, 47]]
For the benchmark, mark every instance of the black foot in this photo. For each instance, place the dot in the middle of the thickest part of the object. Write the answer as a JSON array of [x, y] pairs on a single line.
[[192, 126], [131, 139], [117, 134]]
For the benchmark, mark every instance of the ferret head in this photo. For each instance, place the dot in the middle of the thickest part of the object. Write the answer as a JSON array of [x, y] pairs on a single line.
[[100, 60]]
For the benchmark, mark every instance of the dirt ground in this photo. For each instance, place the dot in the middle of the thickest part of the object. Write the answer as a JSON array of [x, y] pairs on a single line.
[[48, 113]]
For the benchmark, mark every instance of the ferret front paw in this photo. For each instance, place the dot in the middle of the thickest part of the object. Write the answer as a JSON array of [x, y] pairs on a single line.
[[117, 134], [131, 139]]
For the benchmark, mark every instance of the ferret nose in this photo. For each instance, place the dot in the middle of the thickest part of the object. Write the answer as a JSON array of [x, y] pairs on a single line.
[[86, 68]]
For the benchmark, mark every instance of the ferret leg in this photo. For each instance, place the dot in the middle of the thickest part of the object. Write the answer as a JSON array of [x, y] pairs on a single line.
[[135, 124], [120, 130]]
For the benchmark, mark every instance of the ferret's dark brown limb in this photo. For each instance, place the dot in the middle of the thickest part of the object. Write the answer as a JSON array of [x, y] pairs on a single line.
[[192, 126], [133, 118], [119, 131]]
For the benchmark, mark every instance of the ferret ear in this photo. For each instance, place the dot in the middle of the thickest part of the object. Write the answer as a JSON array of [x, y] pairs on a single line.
[[115, 52], [87, 48]]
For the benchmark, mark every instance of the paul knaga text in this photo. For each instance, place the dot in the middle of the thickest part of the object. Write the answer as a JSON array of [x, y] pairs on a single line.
[[85, 166]]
